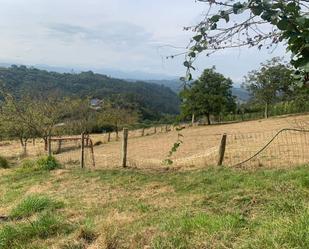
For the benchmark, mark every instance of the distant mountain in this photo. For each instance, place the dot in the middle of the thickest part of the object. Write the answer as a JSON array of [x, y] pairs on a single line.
[[241, 94], [114, 73], [176, 85], [151, 99]]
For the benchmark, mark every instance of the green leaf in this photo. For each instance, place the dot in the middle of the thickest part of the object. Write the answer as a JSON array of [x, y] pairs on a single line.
[[192, 54], [237, 7], [197, 38], [215, 18], [225, 16], [257, 10], [283, 24], [214, 26]]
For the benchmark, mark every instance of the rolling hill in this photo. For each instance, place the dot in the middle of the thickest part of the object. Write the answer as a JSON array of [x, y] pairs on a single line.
[[153, 100]]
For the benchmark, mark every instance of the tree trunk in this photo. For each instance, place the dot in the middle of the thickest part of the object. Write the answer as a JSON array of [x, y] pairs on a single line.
[[266, 110], [45, 143], [193, 119], [117, 133], [23, 146], [208, 118], [25, 149]]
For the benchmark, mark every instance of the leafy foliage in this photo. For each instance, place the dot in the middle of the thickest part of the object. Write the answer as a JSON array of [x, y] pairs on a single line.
[[48, 163], [168, 161], [272, 82], [210, 95], [242, 23]]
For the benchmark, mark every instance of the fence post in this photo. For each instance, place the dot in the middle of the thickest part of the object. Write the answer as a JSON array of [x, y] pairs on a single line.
[[143, 132], [222, 149], [49, 149], [124, 148], [109, 137], [59, 146], [155, 129], [82, 148], [166, 128]]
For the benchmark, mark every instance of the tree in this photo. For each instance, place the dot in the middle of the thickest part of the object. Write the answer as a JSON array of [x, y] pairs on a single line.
[[233, 23], [13, 122], [116, 116], [210, 95], [80, 116], [45, 114], [270, 83]]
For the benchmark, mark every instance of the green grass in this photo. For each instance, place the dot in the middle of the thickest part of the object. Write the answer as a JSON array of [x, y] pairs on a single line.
[[21, 234], [211, 208], [34, 204]]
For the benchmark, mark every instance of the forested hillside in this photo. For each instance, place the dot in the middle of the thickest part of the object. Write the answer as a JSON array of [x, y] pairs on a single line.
[[151, 100]]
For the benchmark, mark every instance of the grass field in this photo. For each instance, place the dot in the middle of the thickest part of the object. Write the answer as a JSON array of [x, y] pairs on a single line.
[[211, 208]]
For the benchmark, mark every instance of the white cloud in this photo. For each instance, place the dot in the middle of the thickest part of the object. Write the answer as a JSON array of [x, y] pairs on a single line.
[[121, 34]]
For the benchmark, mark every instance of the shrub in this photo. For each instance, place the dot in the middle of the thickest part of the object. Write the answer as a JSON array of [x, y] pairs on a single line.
[[3, 163], [34, 204], [48, 163]]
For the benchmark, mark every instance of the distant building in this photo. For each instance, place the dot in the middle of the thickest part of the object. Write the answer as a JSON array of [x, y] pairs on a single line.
[[96, 103]]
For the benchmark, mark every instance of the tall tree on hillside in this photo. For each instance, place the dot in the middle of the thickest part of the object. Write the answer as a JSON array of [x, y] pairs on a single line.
[[210, 95], [270, 83], [253, 23]]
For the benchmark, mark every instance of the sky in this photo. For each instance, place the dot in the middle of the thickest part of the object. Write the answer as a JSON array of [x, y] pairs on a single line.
[[125, 35]]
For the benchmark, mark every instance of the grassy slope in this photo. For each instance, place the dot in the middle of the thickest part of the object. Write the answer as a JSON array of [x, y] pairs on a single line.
[[213, 208]]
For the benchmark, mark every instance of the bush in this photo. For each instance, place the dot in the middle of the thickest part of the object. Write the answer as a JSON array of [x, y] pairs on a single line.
[[3, 163], [48, 163]]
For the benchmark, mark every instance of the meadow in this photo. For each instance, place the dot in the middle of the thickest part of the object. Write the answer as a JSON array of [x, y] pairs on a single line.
[[47, 204], [126, 208]]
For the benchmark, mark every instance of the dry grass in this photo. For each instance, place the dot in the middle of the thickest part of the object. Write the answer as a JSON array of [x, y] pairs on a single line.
[[200, 147], [109, 209]]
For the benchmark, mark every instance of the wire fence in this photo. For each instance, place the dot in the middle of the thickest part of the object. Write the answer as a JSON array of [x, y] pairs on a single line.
[[247, 146]]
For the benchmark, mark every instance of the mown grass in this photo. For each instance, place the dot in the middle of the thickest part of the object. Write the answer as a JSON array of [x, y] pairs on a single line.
[[211, 208]]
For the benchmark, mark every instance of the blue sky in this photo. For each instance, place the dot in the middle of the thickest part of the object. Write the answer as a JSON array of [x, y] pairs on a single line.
[[125, 35]]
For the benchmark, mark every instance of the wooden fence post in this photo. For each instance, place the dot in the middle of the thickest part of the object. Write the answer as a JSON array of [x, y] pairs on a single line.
[[49, 149], [82, 150], [143, 132], [222, 150], [166, 128], [59, 146], [92, 152], [109, 137], [124, 148], [155, 129]]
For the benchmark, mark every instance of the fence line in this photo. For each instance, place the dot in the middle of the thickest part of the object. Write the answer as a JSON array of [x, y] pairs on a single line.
[[249, 147]]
